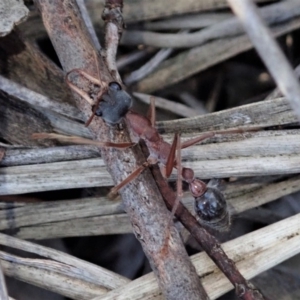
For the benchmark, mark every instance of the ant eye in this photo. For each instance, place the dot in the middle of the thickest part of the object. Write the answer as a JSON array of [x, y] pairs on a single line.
[[115, 86]]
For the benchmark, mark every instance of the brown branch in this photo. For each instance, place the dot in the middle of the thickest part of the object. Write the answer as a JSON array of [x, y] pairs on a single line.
[[141, 198], [209, 243]]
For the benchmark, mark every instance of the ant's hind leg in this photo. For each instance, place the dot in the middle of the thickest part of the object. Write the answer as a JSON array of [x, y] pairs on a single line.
[[151, 114], [179, 193], [208, 135]]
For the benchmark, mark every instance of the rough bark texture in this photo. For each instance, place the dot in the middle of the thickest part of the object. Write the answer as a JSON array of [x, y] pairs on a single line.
[[141, 198]]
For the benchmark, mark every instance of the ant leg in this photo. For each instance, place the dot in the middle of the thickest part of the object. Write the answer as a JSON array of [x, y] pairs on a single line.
[[87, 76], [179, 194], [81, 93], [196, 140], [151, 114], [114, 191], [179, 181], [79, 140], [212, 134], [171, 157], [88, 122], [92, 79]]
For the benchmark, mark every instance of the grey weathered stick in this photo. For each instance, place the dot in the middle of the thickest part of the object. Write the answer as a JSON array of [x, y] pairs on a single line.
[[35, 99], [135, 11], [268, 50], [57, 277], [197, 59], [251, 253], [91, 273], [168, 105], [190, 21], [269, 247], [208, 161], [141, 197], [18, 120], [3, 290], [11, 13], [15, 157], [101, 217], [88, 23], [272, 14], [148, 67], [261, 114]]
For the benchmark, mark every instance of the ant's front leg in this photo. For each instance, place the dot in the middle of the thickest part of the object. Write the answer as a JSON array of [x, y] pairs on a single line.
[[103, 85]]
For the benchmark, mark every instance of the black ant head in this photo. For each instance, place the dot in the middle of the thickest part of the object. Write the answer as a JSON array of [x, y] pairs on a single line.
[[212, 209], [114, 105]]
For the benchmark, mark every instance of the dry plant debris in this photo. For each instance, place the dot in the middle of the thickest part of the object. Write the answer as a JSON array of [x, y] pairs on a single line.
[[12, 13], [259, 166]]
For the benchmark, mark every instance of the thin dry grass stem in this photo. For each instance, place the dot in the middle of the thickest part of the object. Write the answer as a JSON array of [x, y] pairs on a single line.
[[88, 22], [132, 57], [192, 101], [139, 11], [188, 22], [19, 156], [253, 253], [38, 100], [245, 117], [275, 13], [277, 93], [269, 50], [148, 67], [81, 269], [3, 289], [175, 107], [97, 216], [188, 63], [243, 154]]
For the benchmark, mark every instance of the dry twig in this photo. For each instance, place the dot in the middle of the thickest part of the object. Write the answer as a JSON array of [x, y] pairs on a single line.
[[269, 50], [141, 198]]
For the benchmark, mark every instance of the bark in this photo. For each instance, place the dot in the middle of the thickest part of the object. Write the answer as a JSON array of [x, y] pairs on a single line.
[[141, 198]]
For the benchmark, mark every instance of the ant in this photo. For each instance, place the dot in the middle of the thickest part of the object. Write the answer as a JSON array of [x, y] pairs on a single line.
[[113, 104]]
